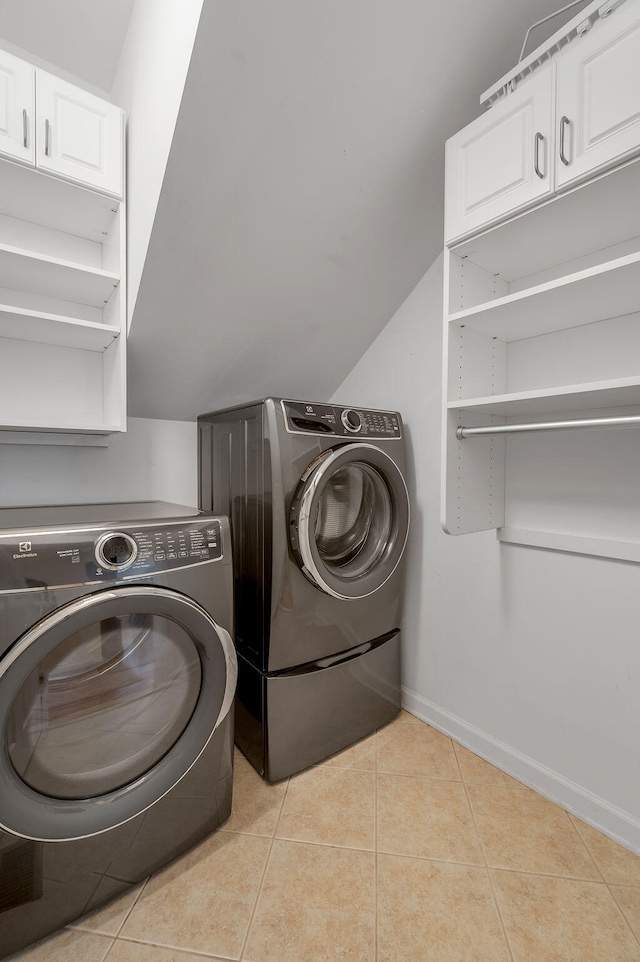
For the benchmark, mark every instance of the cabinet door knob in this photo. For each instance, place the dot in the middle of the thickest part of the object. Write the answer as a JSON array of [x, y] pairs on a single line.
[[47, 137], [564, 123], [25, 129], [539, 139]]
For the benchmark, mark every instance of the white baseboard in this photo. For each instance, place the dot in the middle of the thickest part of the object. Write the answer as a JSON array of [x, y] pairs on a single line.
[[619, 825]]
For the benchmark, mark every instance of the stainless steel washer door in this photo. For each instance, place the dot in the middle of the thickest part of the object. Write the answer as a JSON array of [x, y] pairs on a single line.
[[349, 520], [104, 706]]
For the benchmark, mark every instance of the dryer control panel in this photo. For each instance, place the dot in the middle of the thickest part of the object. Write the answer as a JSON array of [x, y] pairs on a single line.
[[303, 417], [59, 558]]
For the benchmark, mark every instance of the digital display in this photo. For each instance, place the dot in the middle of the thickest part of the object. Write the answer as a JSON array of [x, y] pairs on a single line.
[[117, 550]]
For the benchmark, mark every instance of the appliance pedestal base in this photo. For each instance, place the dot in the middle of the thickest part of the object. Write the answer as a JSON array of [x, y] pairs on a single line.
[[313, 711]]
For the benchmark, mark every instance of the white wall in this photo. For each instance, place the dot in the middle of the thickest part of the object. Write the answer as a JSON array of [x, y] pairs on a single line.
[[148, 84], [152, 461], [529, 657], [77, 40]]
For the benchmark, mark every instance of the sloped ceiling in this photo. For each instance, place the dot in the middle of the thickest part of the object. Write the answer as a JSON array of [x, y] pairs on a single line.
[[302, 199]]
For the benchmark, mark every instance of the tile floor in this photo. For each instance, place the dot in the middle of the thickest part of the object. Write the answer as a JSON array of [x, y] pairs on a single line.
[[404, 848]]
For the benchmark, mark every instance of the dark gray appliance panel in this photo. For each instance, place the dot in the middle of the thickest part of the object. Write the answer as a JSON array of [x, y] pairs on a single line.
[[311, 714], [235, 479]]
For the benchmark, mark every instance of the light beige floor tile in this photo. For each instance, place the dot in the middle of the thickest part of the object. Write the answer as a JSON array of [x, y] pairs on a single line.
[[66, 946], [334, 806], [426, 817], [406, 718], [109, 920], [203, 901], [437, 912], [138, 952], [317, 904], [562, 920], [361, 756], [256, 804], [476, 769], [617, 864], [416, 750], [628, 898], [521, 830]]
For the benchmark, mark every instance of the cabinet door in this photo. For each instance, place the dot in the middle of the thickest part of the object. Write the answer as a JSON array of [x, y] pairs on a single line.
[[502, 161], [599, 97], [79, 135], [16, 108]]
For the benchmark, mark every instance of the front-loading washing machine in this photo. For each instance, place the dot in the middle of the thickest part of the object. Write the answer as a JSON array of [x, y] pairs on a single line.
[[117, 676], [319, 514]]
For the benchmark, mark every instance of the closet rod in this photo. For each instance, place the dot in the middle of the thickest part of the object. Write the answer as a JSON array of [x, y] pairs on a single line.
[[615, 422]]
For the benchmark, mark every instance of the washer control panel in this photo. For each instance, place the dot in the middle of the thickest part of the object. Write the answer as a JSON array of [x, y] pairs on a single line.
[[307, 418], [44, 559]]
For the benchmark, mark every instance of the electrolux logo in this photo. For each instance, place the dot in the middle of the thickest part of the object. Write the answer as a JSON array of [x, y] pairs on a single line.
[[24, 551]]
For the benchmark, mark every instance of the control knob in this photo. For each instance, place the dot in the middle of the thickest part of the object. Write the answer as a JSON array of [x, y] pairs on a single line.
[[116, 551], [351, 420]]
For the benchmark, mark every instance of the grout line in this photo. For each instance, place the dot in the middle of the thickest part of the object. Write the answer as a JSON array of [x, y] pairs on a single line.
[[494, 868], [264, 871], [173, 948], [107, 953], [624, 885], [455, 755], [623, 914], [430, 858], [78, 926], [435, 778], [346, 848], [550, 875], [135, 902], [486, 861], [584, 844]]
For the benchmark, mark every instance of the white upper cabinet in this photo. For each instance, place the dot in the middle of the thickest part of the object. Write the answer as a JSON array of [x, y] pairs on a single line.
[[502, 161], [599, 97], [17, 106], [79, 135], [572, 114], [60, 128]]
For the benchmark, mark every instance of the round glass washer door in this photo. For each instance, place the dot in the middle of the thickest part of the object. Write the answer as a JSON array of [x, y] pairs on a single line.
[[349, 520], [105, 705]]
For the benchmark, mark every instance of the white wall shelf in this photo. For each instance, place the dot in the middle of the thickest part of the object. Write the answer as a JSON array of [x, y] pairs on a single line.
[[622, 392], [610, 290], [13, 431], [591, 217], [556, 541], [63, 280], [54, 438], [54, 329], [40, 198]]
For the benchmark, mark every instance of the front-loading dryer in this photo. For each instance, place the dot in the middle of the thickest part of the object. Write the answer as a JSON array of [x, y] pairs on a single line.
[[319, 514], [117, 676]]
